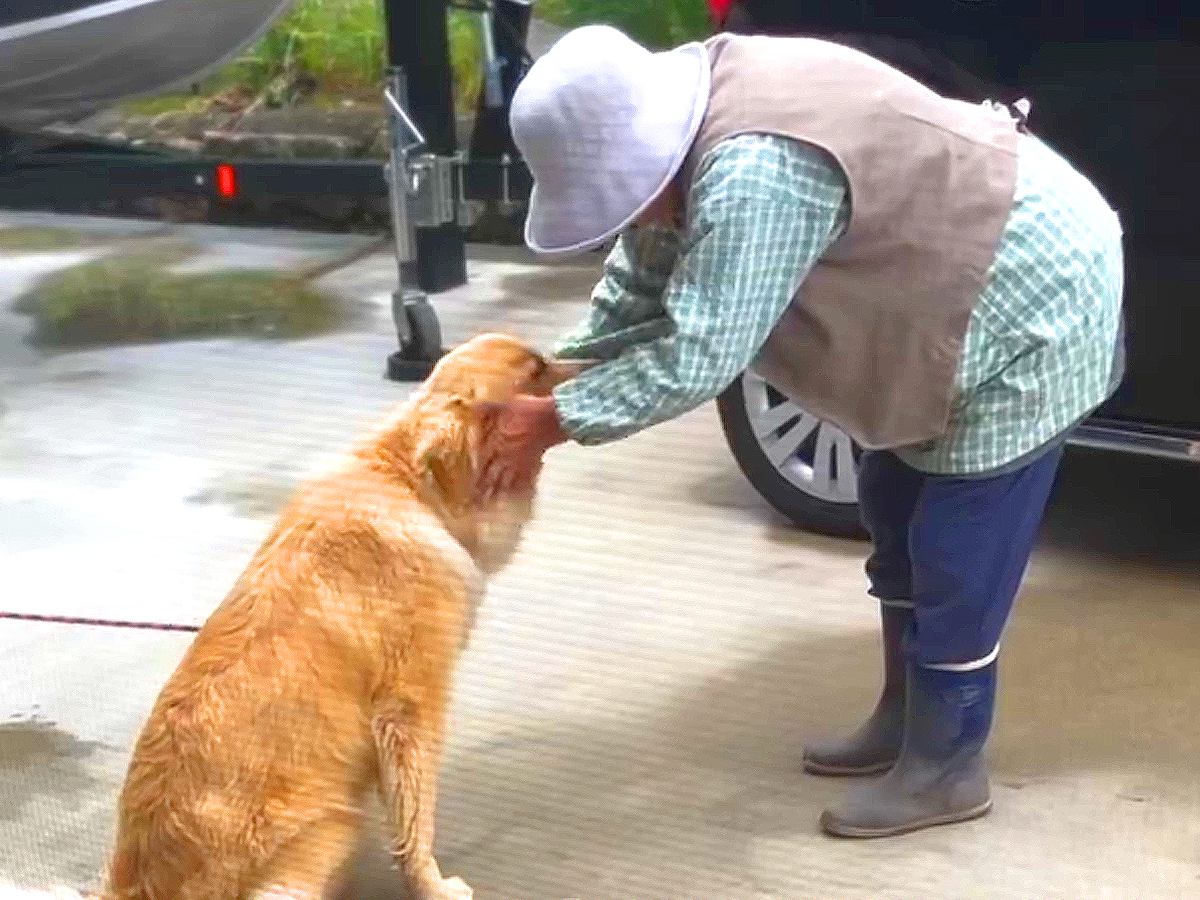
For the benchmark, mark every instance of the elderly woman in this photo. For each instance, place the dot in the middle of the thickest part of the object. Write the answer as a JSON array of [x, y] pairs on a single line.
[[915, 269]]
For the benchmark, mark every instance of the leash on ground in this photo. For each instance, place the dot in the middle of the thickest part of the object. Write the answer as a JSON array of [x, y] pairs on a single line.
[[99, 623]]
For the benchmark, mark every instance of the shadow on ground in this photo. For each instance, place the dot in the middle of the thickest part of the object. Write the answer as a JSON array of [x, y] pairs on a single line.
[[40, 761]]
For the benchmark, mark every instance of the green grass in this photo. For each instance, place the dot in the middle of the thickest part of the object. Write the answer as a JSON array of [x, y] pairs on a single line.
[[466, 49], [161, 103], [136, 298], [339, 45], [39, 240], [656, 23], [338, 42]]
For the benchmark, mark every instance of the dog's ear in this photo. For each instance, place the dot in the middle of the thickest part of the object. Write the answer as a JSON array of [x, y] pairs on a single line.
[[448, 448]]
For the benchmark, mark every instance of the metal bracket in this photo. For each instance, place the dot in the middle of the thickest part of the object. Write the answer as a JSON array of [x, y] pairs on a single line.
[[431, 190]]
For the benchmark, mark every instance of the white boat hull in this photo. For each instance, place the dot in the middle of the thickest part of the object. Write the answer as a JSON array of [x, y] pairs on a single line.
[[80, 57]]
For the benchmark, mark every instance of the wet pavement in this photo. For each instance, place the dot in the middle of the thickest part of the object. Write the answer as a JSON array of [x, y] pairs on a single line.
[[629, 717]]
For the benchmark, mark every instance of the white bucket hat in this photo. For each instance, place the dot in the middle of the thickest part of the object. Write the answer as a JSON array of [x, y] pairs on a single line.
[[604, 125]]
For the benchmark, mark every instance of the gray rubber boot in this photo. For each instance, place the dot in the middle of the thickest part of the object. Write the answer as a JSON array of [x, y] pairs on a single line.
[[940, 776], [873, 748]]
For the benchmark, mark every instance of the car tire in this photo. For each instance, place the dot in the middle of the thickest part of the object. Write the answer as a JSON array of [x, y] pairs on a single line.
[[804, 468]]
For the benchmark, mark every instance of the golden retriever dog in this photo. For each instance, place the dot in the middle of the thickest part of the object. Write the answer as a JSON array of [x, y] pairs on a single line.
[[326, 672]]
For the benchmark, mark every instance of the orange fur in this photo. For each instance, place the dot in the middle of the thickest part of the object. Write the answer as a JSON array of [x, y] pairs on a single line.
[[326, 672]]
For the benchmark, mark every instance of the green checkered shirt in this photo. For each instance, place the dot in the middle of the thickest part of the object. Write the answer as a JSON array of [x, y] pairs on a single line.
[[678, 316]]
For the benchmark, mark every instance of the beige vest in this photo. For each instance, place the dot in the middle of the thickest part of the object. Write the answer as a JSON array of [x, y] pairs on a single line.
[[873, 339]]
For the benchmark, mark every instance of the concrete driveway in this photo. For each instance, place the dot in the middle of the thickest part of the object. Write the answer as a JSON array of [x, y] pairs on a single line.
[[629, 716]]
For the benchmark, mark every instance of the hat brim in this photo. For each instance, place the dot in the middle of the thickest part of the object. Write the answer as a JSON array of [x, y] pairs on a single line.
[[561, 223]]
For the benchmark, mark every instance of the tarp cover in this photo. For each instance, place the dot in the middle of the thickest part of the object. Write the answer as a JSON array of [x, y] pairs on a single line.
[[62, 59]]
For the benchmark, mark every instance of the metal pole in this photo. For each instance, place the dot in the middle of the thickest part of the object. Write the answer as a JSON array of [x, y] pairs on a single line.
[[418, 44], [491, 138], [420, 81], [398, 174], [493, 91], [417, 327]]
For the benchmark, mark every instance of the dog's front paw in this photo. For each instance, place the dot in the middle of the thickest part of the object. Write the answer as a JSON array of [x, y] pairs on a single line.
[[451, 889]]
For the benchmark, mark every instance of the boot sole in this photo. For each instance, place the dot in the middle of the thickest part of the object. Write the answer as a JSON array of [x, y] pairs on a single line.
[[841, 829], [815, 768]]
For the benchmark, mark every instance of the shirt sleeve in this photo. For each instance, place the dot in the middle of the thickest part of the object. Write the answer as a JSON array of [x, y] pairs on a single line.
[[762, 211], [626, 305]]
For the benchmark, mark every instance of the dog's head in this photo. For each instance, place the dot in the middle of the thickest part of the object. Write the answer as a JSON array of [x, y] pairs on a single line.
[[493, 368], [448, 425]]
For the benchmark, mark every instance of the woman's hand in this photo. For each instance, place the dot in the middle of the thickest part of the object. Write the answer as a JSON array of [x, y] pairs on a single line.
[[521, 431]]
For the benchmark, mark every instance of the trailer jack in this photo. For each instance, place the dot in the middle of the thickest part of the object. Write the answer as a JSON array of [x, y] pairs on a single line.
[[422, 195]]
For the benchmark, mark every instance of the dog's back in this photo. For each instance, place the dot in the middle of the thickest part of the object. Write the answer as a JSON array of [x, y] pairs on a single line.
[[264, 732]]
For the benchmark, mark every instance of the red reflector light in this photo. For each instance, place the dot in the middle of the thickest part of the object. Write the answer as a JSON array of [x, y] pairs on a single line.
[[227, 185], [719, 10]]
